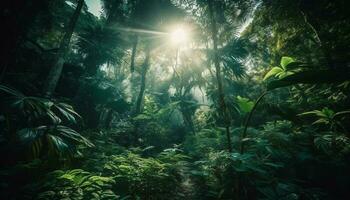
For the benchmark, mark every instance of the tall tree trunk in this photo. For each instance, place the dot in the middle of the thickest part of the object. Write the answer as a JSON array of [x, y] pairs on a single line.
[[112, 17], [135, 39], [188, 120], [145, 67], [222, 103], [315, 27], [57, 67]]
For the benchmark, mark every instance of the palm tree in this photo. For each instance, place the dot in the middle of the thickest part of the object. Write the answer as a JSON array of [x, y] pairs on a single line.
[[222, 103], [99, 44]]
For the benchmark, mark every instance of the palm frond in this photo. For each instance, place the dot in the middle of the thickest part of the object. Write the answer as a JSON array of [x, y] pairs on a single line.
[[67, 111], [11, 91]]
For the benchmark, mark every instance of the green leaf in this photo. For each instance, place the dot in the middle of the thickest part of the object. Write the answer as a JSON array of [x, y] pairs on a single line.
[[55, 119], [283, 74], [68, 133], [323, 142], [321, 121], [314, 112], [297, 65], [245, 105], [67, 111], [276, 165], [286, 61], [29, 135], [141, 117], [329, 113], [342, 113], [11, 91], [273, 72], [58, 144]]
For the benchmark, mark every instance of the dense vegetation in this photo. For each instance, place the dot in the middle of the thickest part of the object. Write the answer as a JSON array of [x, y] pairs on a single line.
[[175, 99]]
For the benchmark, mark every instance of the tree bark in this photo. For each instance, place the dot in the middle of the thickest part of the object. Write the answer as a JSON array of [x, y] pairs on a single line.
[[56, 70], [133, 53], [222, 103], [145, 67]]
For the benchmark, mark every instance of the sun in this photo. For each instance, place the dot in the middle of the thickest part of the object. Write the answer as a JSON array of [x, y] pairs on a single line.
[[179, 36]]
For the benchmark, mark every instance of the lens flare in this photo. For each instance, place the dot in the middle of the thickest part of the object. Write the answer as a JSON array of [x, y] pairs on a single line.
[[179, 36]]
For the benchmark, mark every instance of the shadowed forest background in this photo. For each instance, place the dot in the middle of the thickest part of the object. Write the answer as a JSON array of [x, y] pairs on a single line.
[[175, 99]]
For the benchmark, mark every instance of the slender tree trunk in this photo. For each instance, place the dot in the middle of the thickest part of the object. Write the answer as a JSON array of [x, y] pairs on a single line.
[[315, 28], [135, 40], [246, 124], [145, 67], [112, 15], [222, 104], [188, 120], [56, 70]]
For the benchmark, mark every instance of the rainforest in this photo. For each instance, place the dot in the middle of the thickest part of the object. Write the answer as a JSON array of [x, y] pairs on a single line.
[[175, 100]]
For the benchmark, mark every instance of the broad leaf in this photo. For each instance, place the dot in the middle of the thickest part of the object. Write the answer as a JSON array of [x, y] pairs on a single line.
[[67, 111], [57, 144], [245, 105], [273, 72], [71, 134], [286, 61], [29, 135]]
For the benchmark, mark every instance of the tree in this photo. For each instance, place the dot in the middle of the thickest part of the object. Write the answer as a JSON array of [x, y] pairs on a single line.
[[155, 14], [99, 44], [56, 70], [145, 67], [222, 103]]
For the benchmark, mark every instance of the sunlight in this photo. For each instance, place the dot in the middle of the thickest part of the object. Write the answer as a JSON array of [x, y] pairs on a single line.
[[179, 36]]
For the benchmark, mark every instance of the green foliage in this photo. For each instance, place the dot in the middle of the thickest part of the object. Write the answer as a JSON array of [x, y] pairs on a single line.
[[99, 44], [176, 148], [35, 108], [275, 71], [328, 117], [204, 142], [152, 110], [270, 152], [287, 67], [38, 126], [232, 57], [245, 105], [285, 61], [60, 140], [145, 178], [254, 175], [291, 72], [107, 143], [330, 143], [76, 184]]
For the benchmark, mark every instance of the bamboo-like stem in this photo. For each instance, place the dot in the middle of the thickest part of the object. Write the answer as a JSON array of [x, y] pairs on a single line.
[[246, 124]]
